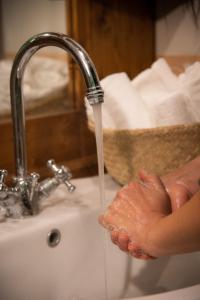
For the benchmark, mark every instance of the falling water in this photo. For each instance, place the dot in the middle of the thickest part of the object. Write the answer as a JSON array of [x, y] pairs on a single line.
[[99, 142]]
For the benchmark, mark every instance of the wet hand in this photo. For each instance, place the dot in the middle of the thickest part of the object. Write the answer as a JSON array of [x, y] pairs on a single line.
[[182, 183], [179, 194], [134, 212]]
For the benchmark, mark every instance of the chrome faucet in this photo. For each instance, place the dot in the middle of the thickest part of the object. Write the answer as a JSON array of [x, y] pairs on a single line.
[[27, 187]]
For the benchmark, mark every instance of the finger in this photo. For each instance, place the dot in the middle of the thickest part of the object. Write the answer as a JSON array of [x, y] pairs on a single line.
[[123, 241], [113, 220], [151, 257], [102, 221], [140, 256], [133, 249], [147, 257], [137, 252], [121, 207], [151, 179], [179, 195], [114, 236]]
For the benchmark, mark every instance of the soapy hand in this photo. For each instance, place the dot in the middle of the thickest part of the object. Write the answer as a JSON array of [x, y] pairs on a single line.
[[134, 212], [182, 183], [179, 194]]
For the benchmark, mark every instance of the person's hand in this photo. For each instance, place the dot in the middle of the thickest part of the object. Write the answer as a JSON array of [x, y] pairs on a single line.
[[134, 212], [182, 183], [179, 194]]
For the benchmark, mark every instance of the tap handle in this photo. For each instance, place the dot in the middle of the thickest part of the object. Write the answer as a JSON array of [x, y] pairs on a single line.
[[33, 196], [68, 183], [3, 174], [52, 166], [33, 181], [62, 174]]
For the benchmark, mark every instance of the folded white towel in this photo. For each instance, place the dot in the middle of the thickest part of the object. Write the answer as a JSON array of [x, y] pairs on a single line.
[[156, 97], [169, 79], [190, 84], [171, 110], [155, 82], [123, 108], [161, 91]]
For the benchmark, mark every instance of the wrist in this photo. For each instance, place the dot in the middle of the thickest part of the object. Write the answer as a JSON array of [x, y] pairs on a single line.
[[153, 241]]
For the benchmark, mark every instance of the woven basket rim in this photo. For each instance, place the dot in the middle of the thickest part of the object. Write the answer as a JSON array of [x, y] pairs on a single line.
[[142, 131]]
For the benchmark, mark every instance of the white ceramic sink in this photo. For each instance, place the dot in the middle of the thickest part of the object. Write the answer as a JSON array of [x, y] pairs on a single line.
[[74, 269], [189, 293]]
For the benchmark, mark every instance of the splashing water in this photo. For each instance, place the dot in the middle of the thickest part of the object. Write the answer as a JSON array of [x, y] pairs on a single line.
[[99, 142]]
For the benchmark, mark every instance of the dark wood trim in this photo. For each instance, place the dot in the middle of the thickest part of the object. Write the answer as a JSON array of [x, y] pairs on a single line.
[[118, 35]]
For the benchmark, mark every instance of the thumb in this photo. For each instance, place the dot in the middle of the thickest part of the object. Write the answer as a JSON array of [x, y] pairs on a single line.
[[179, 195], [163, 202], [151, 179]]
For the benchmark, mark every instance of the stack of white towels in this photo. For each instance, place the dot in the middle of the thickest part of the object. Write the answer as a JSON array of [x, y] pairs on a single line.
[[156, 97], [43, 77]]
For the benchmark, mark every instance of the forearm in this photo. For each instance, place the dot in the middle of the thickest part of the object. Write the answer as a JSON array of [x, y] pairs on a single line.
[[178, 232]]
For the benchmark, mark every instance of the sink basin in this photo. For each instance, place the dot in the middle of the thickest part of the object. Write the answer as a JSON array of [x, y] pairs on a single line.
[[189, 293], [59, 255]]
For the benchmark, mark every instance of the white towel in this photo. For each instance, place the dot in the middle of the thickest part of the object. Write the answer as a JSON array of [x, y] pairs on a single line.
[[163, 96], [171, 110], [190, 84], [123, 108], [156, 97], [155, 82]]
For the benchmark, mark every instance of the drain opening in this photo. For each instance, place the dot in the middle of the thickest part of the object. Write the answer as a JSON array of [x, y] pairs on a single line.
[[53, 238]]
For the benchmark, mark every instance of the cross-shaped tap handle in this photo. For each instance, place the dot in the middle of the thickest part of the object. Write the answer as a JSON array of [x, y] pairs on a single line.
[[3, 187], [62, 174], [3, 174]]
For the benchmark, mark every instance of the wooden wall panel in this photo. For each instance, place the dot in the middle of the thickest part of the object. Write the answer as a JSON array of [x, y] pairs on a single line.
[[56, 137], [118, 35], [180, 62]]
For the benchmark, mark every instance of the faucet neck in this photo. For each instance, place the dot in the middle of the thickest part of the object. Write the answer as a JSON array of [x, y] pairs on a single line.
[[94, 91]]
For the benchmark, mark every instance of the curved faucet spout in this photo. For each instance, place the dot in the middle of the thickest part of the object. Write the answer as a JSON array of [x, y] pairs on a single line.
[[94, 92]]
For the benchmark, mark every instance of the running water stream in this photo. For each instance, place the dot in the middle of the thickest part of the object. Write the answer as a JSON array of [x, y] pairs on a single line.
[[99, 142]]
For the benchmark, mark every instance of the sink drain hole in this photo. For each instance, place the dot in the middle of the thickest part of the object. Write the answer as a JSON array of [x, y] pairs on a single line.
[[53, 238]]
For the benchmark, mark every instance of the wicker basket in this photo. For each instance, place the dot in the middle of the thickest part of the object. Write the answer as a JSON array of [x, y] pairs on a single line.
[[158, 150]]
